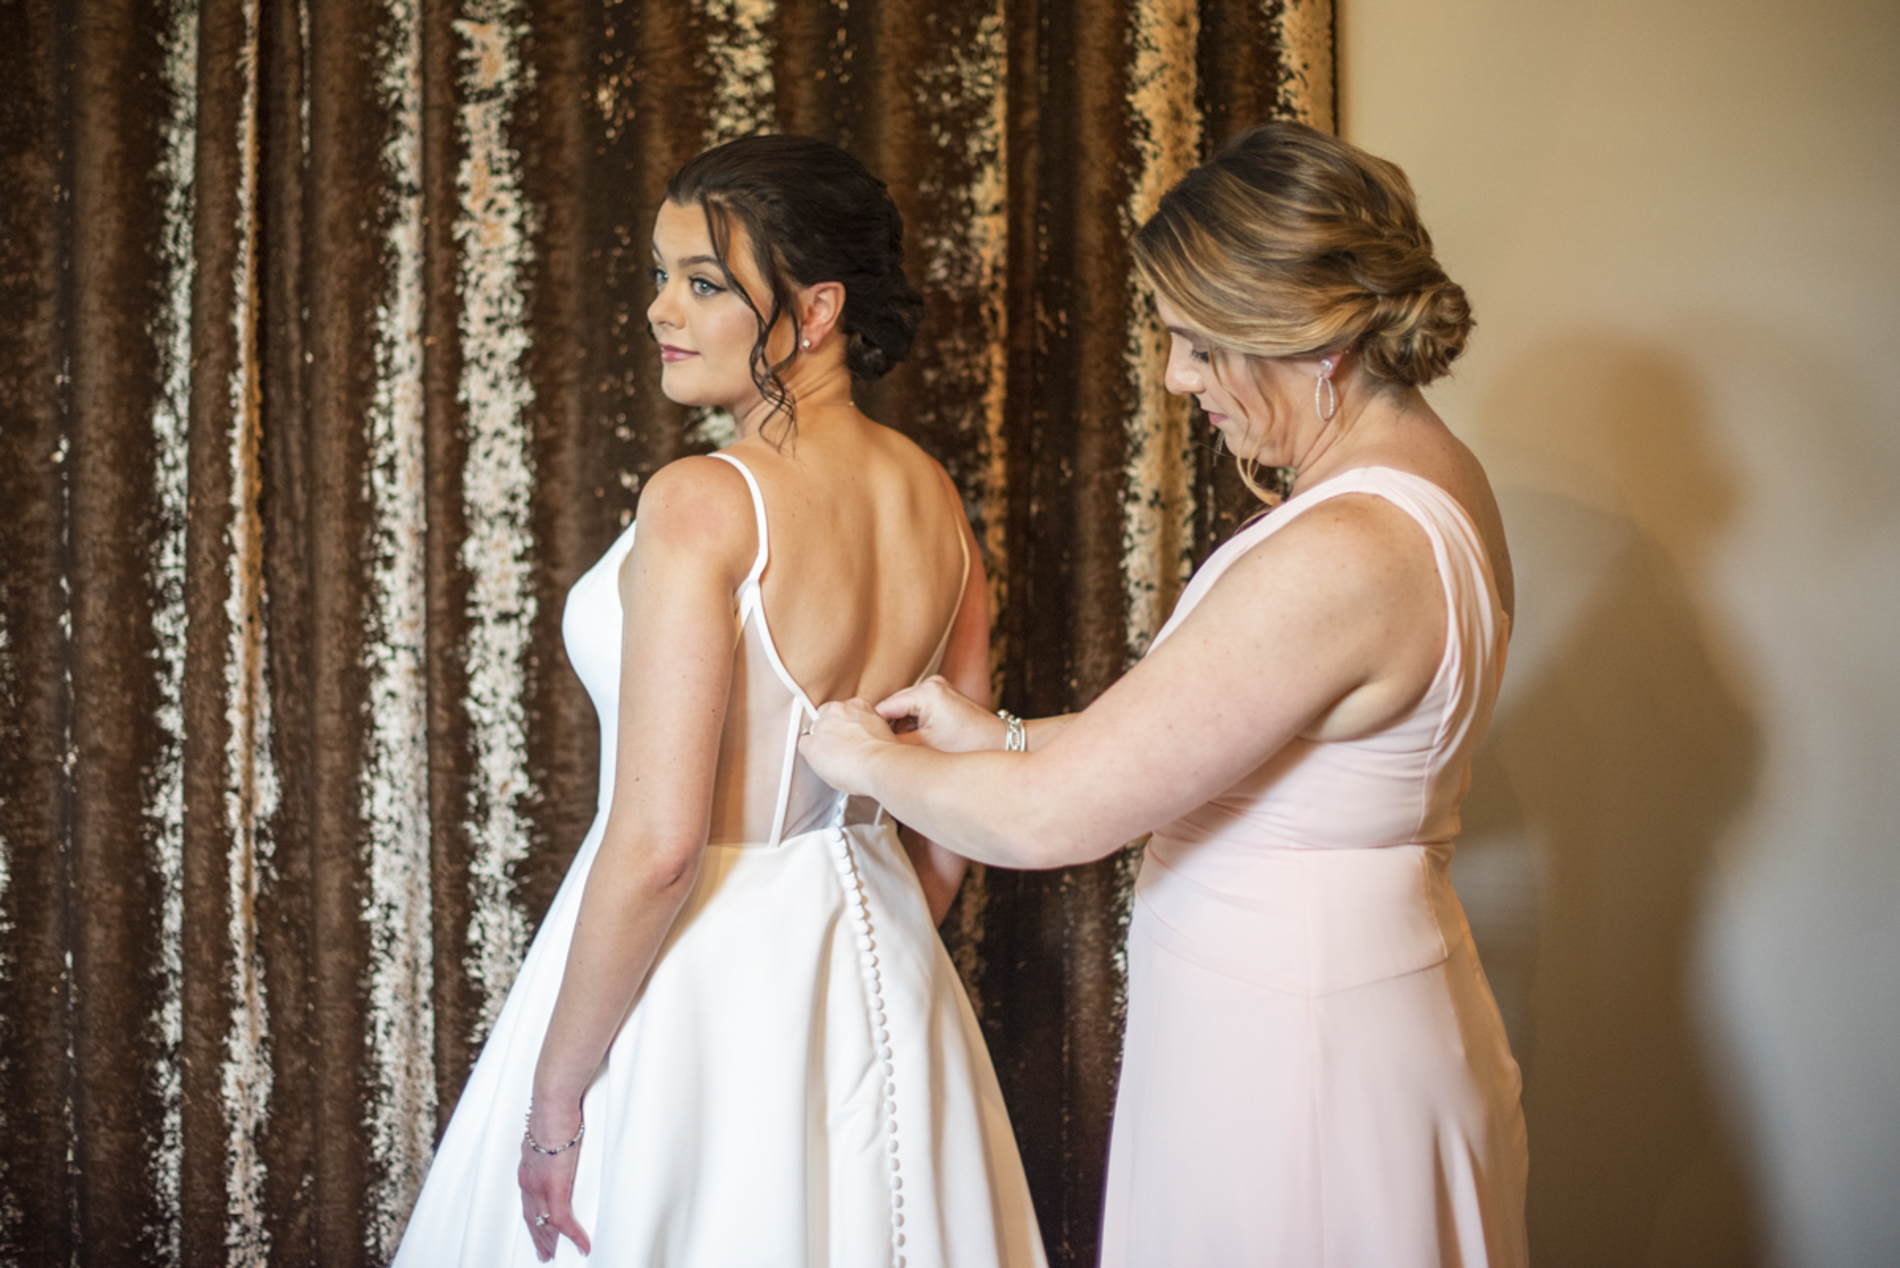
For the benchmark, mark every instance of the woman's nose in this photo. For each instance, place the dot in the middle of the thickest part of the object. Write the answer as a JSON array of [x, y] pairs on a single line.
[[660, 311], [1181, 379]]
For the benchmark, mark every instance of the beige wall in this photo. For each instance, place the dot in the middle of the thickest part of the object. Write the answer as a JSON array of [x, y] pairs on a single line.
[[1680, 227]]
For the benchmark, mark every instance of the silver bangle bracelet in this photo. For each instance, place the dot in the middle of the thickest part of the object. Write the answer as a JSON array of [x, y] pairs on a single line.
[[1016, 738]]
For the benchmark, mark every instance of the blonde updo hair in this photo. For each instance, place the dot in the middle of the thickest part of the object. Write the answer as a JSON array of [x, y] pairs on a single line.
[[1290, 242]]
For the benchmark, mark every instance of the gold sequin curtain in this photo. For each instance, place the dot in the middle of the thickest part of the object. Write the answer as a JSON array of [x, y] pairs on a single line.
[[323, 375]]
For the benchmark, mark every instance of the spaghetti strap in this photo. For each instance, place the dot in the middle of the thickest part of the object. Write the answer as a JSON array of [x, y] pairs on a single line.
[[752, 617], [956, 609], [758, 513], [752, 595]]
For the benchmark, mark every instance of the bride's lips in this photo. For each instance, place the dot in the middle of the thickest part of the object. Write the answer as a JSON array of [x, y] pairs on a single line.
[[669, 353]]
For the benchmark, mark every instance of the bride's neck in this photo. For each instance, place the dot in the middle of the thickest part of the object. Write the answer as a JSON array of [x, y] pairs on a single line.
[[815, 392]]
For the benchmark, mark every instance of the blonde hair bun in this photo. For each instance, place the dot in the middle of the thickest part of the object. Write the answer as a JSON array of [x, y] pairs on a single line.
[[1291, 242], [1414, 337]]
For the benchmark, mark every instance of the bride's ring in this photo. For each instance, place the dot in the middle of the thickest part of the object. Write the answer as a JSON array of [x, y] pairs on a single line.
[[541, 1220]]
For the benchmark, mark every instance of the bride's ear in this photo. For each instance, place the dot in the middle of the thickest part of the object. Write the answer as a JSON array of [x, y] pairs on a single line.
[[820, 307]]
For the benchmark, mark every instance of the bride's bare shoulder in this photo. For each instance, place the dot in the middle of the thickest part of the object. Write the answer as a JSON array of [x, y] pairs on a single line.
[[699, 505]]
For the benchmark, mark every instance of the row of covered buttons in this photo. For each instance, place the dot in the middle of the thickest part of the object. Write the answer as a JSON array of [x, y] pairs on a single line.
[[860, 913]]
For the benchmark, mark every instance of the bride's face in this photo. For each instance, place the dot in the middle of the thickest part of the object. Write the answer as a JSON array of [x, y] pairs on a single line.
[[704, 329]]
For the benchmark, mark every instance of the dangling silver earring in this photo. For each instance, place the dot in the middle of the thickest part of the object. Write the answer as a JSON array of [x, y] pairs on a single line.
[[1325, 380]]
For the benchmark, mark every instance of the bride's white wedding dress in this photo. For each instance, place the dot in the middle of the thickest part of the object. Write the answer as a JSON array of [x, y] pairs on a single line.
[[800, 1081]]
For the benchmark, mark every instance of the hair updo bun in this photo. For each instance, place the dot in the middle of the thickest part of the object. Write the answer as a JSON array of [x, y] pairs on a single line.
[[812, 214], [1413, 338], [1290, 242]]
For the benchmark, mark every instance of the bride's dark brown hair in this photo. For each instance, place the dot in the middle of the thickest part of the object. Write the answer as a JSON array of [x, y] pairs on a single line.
[[812, 214]]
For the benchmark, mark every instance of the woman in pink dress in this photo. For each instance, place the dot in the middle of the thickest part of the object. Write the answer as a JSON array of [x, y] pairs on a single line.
[[1314, 1070]]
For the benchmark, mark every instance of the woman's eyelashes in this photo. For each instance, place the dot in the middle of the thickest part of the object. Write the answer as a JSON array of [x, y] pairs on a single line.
[[1195, 353], [700, 286]]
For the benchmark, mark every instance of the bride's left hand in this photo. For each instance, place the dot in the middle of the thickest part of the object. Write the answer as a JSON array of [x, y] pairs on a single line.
[[840, 742], [547, 1192]]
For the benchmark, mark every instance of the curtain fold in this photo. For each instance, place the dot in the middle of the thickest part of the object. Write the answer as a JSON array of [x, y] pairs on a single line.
[[324, 373]]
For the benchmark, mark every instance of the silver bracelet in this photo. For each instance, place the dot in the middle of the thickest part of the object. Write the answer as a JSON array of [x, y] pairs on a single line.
[[1016, 739], [527, 1136]]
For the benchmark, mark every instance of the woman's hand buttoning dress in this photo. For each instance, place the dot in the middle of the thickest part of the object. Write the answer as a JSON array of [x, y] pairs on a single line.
[[1314, 1073], [737, 1038]]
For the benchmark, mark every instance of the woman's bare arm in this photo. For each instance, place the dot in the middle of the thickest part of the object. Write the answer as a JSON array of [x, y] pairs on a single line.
[[1332, 626], [695, 543], [943, 717]]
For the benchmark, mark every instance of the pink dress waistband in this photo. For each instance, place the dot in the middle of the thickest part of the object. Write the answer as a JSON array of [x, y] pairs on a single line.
[[1305, 922]]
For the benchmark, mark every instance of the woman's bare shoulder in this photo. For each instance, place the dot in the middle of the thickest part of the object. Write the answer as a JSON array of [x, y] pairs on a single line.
[[699, 505], [1349, 537], [1351, 557], [1453, 467]]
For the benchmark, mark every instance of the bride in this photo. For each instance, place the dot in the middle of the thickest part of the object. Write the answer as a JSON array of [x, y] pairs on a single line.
[[737, 1039]]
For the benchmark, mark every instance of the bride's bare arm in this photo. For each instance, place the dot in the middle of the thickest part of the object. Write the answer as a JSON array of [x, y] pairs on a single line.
[[695, 543], [1330, 627]]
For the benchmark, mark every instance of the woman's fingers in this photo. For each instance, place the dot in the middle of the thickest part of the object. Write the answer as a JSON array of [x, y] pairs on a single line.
[[564, 1223], [841, 718], [910, 702], [540, 1219], [946, 719], [547, 1190], [552, 1222], [842, 730]]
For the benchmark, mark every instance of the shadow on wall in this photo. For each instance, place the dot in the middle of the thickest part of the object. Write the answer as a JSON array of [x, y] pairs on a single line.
[[1616, 763]]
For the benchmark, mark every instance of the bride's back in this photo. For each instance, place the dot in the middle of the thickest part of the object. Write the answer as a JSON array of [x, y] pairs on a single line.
[[867, 563], [778, 268]]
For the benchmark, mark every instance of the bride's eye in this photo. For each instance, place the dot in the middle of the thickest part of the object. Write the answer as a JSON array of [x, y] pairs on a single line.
[[659, 277], [703, 288]]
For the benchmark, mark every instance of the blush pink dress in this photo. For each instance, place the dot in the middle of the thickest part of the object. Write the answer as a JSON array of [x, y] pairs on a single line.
[[1315, 1073]]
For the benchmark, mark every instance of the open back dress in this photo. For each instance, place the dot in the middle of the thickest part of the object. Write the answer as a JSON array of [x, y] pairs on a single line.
[[800, 1082]]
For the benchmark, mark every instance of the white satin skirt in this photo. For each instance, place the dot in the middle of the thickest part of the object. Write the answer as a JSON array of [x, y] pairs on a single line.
[[800, 1084]]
